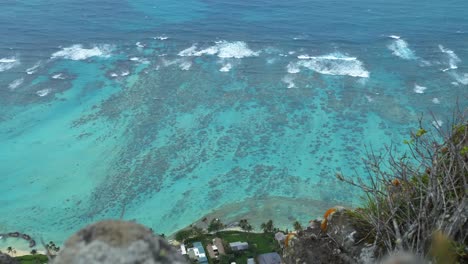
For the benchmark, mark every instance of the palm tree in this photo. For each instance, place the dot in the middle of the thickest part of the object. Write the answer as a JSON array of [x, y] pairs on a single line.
[[33, 252], [10, 249], [297, 226]]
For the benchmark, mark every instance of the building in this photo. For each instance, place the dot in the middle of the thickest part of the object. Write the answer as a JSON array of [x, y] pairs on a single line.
[[269, 258], [197, 252], [250, 261], [238, 246]]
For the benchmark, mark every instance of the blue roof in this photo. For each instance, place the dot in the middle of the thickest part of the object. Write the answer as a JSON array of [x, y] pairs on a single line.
[[201, 250]]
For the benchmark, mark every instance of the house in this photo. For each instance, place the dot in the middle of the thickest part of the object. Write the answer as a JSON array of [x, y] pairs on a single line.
[[250, 261], [269, 258], [197, 253], [183, 250], [238, 246]]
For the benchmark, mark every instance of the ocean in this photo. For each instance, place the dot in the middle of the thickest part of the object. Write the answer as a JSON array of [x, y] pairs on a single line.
[[164, 111]]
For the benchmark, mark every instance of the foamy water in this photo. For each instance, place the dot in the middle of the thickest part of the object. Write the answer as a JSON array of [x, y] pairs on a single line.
[[400, 48], [78, 52]]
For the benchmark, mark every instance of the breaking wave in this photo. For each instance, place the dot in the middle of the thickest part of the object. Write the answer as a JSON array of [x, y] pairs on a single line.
[[8, 63], [34, 68], [331, 64], [43, 92], [226, 67], [419, 89], [15, 84], [400, 48], [222, 49], [77, 52], [453, 59]]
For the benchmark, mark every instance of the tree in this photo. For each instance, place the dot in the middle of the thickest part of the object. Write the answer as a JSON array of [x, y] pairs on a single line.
[[52, 248], [10, 249], [267, 227], [215, 225], [297, 226], [248, 228], [184, 234], [244, 224], [33, 252]]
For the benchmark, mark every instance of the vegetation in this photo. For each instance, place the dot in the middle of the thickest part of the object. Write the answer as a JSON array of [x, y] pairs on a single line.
[[418, 201], [297, 226], [259, 243], [52, 248], [244, 225], [188, 233], [32, 259], [268, 227], [215, 225]]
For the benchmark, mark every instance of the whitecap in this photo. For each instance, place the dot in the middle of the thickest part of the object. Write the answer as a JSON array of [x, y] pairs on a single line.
[[77, 52], [125, 73], [453, 59], [223, 49], [369, 98], [43, 92], [394, 37], [289, 80], [331, 64], [59, 76], [293, 68], [161, 37], [16, 83], [435, 100], [8, 63], [185, 65], [400, 48], [34, 68], [135, 59], [419, 89], [226, 67], [455, 84], [460, 77], [437, 123], [139, 45], [114, 74]]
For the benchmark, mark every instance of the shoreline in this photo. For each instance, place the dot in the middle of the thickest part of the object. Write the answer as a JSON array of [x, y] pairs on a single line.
[[20, 252]]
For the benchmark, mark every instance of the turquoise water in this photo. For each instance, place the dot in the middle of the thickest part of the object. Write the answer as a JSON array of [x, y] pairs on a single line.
[[164, 111]]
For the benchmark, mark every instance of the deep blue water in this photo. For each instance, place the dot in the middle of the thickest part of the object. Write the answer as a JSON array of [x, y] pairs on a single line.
[[167, 110]]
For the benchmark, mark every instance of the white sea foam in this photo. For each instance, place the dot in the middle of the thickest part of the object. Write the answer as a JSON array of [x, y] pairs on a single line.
[[419, 89], [77, 52], [161, 37], [460, 77], [226, 67], [125, 73], [289, 80], [185, 65], [16, 83], [293, 67], [369, 98], [8, 63], [331, 64], [400, 48], [455, 83], [43, 92], [114, 74], [139, 45], [222, 49], [437, 123], [436, 100], [394, 37], [453, 59], [59, 76], [34, 68]]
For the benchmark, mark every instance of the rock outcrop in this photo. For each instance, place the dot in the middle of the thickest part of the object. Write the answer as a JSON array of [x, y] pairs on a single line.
[[117, 242], [340, 238], [6, 259]]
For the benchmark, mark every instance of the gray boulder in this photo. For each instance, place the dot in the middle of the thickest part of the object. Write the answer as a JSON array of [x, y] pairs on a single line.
[[117, 242]]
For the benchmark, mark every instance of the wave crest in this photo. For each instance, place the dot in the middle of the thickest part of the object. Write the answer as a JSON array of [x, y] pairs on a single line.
[[8, 63], [331, 64], [223, 49], [400, 48], [453, 59], [77, 52]]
